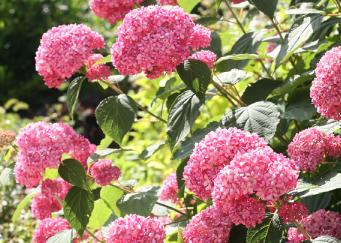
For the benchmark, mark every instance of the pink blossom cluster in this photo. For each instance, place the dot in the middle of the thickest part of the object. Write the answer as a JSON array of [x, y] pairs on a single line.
[[210, 225], [325, 91], [169, 189], [310, 147], [211, 154], [48, 200], [154, 40], [137, 229], [96, 71], [167, 2], [63, 51], [320, 223], [104, 172], [205, 56], [112, 10], [292, 212], [49, 227], [41, 146]]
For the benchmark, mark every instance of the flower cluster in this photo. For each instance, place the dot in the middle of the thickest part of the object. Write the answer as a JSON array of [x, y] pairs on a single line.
[[321, 222], [169, 189], [6, 138], [155, 40], [138, 229], [41, 146], [167, 2], [207, 57], [48, 228], [112, 10], [63, 51], [210, 225], [214, 152], [291, 212], [96, 71], [104, 172], [325, 91], [310, 147]]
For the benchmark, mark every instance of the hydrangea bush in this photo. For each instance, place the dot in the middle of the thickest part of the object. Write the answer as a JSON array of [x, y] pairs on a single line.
[[252, 123]]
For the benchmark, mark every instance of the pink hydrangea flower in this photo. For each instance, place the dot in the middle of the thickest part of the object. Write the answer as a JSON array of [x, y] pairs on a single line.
[[212, 153], [112, 10], [104, 172], [96, 72], [55, 188], [261, 171], [207, 57], [325, 91], [63, 51], [41, 146], [210, 225], [49, 227], [167, 2], [137, 229], [43, 206], [333, 146], [291, 212], [169, 189], [154, 40], [294, 236]]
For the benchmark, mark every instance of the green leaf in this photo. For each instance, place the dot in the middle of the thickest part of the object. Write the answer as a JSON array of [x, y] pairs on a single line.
[[216, 44], [104, 60], [259, 90], [316, 202], [151, 150], [330, 127], [179, 178], [6, 176], [231, 77], [298, 36], [73, 172], [115, 115], [110, 195], [140, 203], [188, 5], [182, 114], [238, 234], [78, 205], [268, 8], [73, 93], [261, 117], [65, 236], [241, 57], [325, 239], [180, 237], [196, 75], [102, 153], [23, 204], [99, 215], [270, 231]]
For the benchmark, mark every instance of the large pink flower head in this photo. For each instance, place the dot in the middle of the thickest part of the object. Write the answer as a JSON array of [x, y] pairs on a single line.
[[43, 206], [325, 91], [169, 189], [207, 57], [96, 71], [49, 227], [210, 225], [155, 40], [212, 153], [112, 10], [63, 51], [137, 229], [294, 236], [291, 212], [41, 146], [55, 188], [104, 172], [261, 171]]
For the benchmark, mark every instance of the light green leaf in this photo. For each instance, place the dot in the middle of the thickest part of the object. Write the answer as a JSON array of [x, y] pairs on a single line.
[[23, 204], [240, 57], [151, 150], [99, 215], [65, 236], [110, 195], [325, 239], [6, 176], [104, 60], [73, 93], [188, 5], [233, 76]]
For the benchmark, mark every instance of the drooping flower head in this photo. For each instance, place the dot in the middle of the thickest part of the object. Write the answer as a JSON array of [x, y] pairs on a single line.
[[63, 50], [207, 57], [154, 40], [96, 71], [210, 225], [41, 146], [137, 229], [49, 227], [169, 189], [104, 172], [212, 153], [325, 91], [292, 212], [112, 10]]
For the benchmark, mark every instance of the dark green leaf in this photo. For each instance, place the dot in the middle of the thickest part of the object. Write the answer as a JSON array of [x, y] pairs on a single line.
[[325, 239], [115, 115], [73, 172], [270, 231], [150, 150], [261, 117], [140, 203], [259, 90], [216, 43], [78, 205], [316, 202], [268, 8], [300, 108], [238, 234], [182, 114], [73, 93], [179, 178], [65, 236], [196, 75]]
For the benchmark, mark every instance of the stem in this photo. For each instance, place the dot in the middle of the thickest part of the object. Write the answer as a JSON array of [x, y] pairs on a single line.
[[94, 236], [337, 5], [227, 95], [171, 208], [175, 222], [302, 230], [119, 91]]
